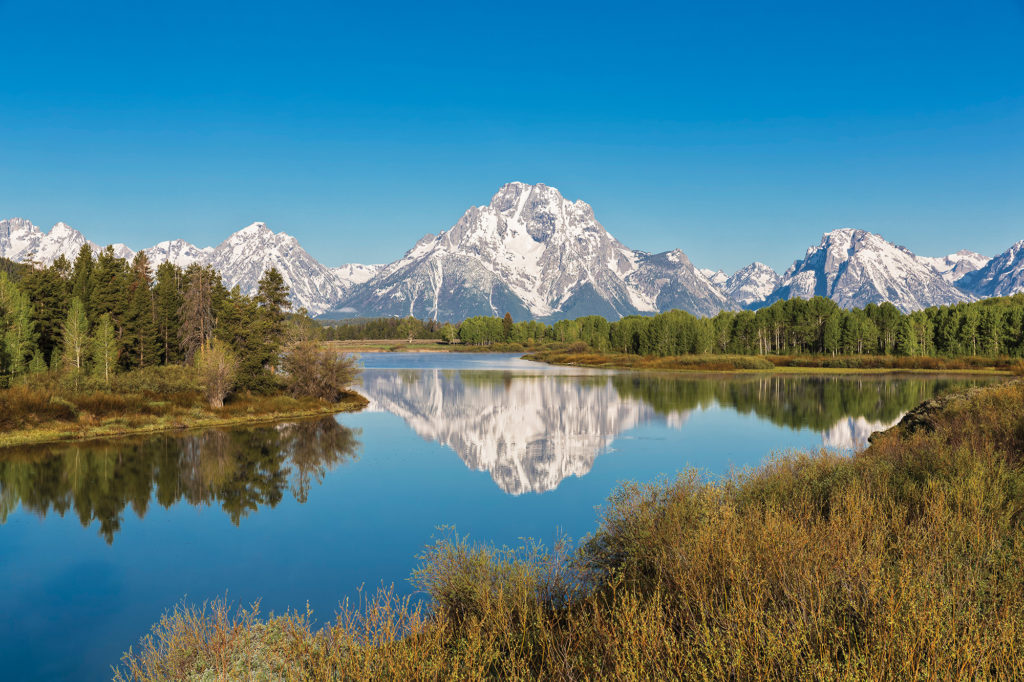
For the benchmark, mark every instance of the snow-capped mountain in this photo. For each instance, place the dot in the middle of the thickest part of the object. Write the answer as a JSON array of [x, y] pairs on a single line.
[[956, 265], [538, 255], [716, 277], [354, 273], [179, 252], [21, 241], [751, 284], [854, 268], [535, 254], [243, 257], [1001, 276]]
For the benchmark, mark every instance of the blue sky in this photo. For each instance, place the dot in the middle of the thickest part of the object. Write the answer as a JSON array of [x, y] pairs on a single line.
[[731, 130]]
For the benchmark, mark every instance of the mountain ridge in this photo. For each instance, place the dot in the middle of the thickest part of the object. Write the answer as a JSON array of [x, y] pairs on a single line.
[[536, 254]]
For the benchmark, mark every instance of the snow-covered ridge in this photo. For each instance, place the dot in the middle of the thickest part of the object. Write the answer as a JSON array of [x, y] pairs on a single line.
[[853, 268], [534, 253]]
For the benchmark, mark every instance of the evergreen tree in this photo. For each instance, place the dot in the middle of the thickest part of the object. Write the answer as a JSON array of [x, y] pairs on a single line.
[[141, 340], [49, 296], [81, 276], [109, 289], [169, 299]]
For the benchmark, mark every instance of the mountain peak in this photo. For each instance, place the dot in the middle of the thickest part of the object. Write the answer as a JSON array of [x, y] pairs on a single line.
[[254, 229]]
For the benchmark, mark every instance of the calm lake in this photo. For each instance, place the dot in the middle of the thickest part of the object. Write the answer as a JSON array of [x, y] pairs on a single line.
[[98, 539]]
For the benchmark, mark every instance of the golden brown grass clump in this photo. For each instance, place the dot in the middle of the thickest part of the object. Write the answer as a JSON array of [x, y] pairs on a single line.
[[903, 562]]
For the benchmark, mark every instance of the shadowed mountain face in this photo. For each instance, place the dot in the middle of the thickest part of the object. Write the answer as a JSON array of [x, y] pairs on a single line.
[[240, 470], [531, 432]]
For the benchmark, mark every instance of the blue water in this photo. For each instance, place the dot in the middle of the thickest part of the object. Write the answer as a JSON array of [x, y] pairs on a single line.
[[498, 447]]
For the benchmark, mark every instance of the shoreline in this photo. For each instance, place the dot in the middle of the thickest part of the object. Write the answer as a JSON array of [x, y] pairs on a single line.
[[51, 432], [666, 365]]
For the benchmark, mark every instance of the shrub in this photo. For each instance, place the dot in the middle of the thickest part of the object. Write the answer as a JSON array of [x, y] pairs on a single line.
[[317, 371], [217, 368]]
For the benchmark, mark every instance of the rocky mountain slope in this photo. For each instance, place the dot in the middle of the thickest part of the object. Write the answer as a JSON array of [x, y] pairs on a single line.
[[854, 268], [534, 253], [1001, 276]]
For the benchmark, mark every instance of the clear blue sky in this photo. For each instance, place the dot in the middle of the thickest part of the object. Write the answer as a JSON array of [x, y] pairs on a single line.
[[731, 130]]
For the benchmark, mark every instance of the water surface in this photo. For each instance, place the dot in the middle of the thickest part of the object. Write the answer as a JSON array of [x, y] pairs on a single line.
[[97, 539]]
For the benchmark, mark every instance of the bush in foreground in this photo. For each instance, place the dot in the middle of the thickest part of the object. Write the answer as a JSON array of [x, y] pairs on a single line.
[[314, 370], [902, 562]]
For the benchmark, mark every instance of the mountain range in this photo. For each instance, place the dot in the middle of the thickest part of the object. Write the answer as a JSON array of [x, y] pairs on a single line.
[[534, 253]]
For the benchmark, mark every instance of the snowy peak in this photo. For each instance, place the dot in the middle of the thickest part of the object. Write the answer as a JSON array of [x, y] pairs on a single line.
[[355, 273], [1001, 276], [20, 240], [716, 277], [751, 284], [855, 267], [533, 253], [956, 265], [178, 252]]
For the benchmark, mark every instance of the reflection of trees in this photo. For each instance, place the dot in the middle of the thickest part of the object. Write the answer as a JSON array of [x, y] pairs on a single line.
[[816, 402], [241, 470]]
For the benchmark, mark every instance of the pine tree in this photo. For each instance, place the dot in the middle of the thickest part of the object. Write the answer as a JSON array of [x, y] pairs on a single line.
[[75, 336], [109, 289], [168, 302], [81, 276], [105, 348], [272, 298], [49, 296], [242, 325], [141, 339]]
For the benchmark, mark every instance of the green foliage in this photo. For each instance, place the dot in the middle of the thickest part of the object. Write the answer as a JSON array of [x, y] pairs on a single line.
[[217, 371], [105, 349], [75, 337], [318, 372], [817, 326], [17, 328]]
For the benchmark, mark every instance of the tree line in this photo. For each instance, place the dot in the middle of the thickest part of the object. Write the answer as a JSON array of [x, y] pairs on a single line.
[[102, 314], [992, 327]]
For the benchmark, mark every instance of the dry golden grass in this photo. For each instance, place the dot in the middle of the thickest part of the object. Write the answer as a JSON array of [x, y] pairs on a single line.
[[900, 563], [48, 411]]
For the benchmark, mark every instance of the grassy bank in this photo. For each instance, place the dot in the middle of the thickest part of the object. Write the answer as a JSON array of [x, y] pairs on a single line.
[[901, 562], [582, 357], [163, 399], [429, 346]]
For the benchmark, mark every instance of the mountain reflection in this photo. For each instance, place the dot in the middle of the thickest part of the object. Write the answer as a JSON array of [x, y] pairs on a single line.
[[240, 470], [531, 432]]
